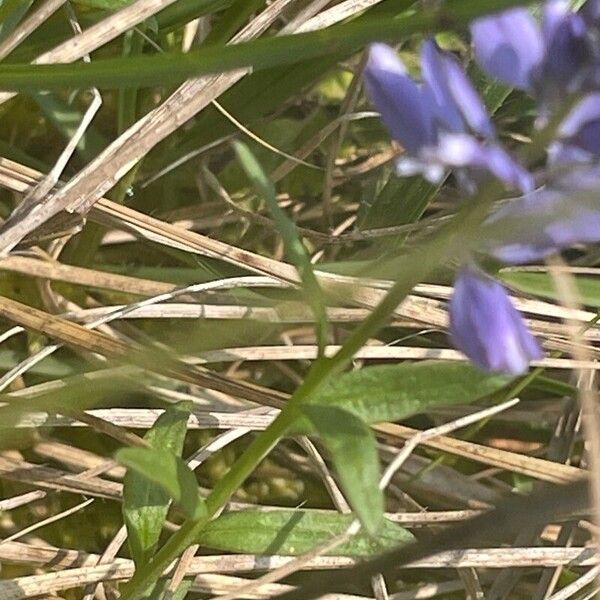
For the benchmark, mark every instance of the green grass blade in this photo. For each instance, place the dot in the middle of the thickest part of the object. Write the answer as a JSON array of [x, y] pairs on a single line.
[[257, 54], [294, 248], [353, 450]]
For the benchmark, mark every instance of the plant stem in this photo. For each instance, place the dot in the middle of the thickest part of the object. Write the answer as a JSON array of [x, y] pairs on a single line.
[[220, 495], [453, 238], [418, 264]]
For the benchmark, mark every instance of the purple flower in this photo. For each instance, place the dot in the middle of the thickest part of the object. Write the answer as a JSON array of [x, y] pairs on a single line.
[[435, 121], [487, 328], [568, 51], [548, 61], [579, 131], [509, 46], [401, 102], [552, 218], [461, 150], [457, 105]]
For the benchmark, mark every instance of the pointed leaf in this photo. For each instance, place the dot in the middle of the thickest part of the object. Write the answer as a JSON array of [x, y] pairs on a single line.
[[294, 532], [353, 450], [168, 472], [392, 392], [145, 502]]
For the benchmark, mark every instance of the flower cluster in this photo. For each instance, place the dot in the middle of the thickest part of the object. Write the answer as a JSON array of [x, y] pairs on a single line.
[[442, 124]]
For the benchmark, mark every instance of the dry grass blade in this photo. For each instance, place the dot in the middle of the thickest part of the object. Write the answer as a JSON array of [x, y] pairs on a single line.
[[100, 175], [54, 479], [537, 468], [309, 352], [222, 584], [86, 352], [100, 343], [305, 13], [21, 500], [144, 418], [76, 458], [30, 586], [422, 437], [107, 557], [19, 553], [28, 26], [37, 194], [365, 293], [543, 470], [56, 271], [290, 314], [335, 14]]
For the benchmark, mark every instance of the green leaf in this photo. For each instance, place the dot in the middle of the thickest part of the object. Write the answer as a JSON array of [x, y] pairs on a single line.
[[104, 4], [294, 248], [168, 472], [353, 450], [258, 54], [393, 392], [294, 532], [540, 284], [148, 485]]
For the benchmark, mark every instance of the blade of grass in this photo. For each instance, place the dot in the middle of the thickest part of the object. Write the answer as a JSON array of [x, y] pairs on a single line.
[[293, 245], [256, 54]]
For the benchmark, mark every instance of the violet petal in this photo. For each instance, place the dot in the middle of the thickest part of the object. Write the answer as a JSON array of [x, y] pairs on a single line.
[[567, 50], [509, 46], [455, 99], [546, 221], [398, 99], [463, 150], [487, 328], [581, 127]]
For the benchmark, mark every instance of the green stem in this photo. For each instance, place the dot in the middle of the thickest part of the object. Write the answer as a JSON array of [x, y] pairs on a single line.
[[419, 263], [220, 495], [453, 238]]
